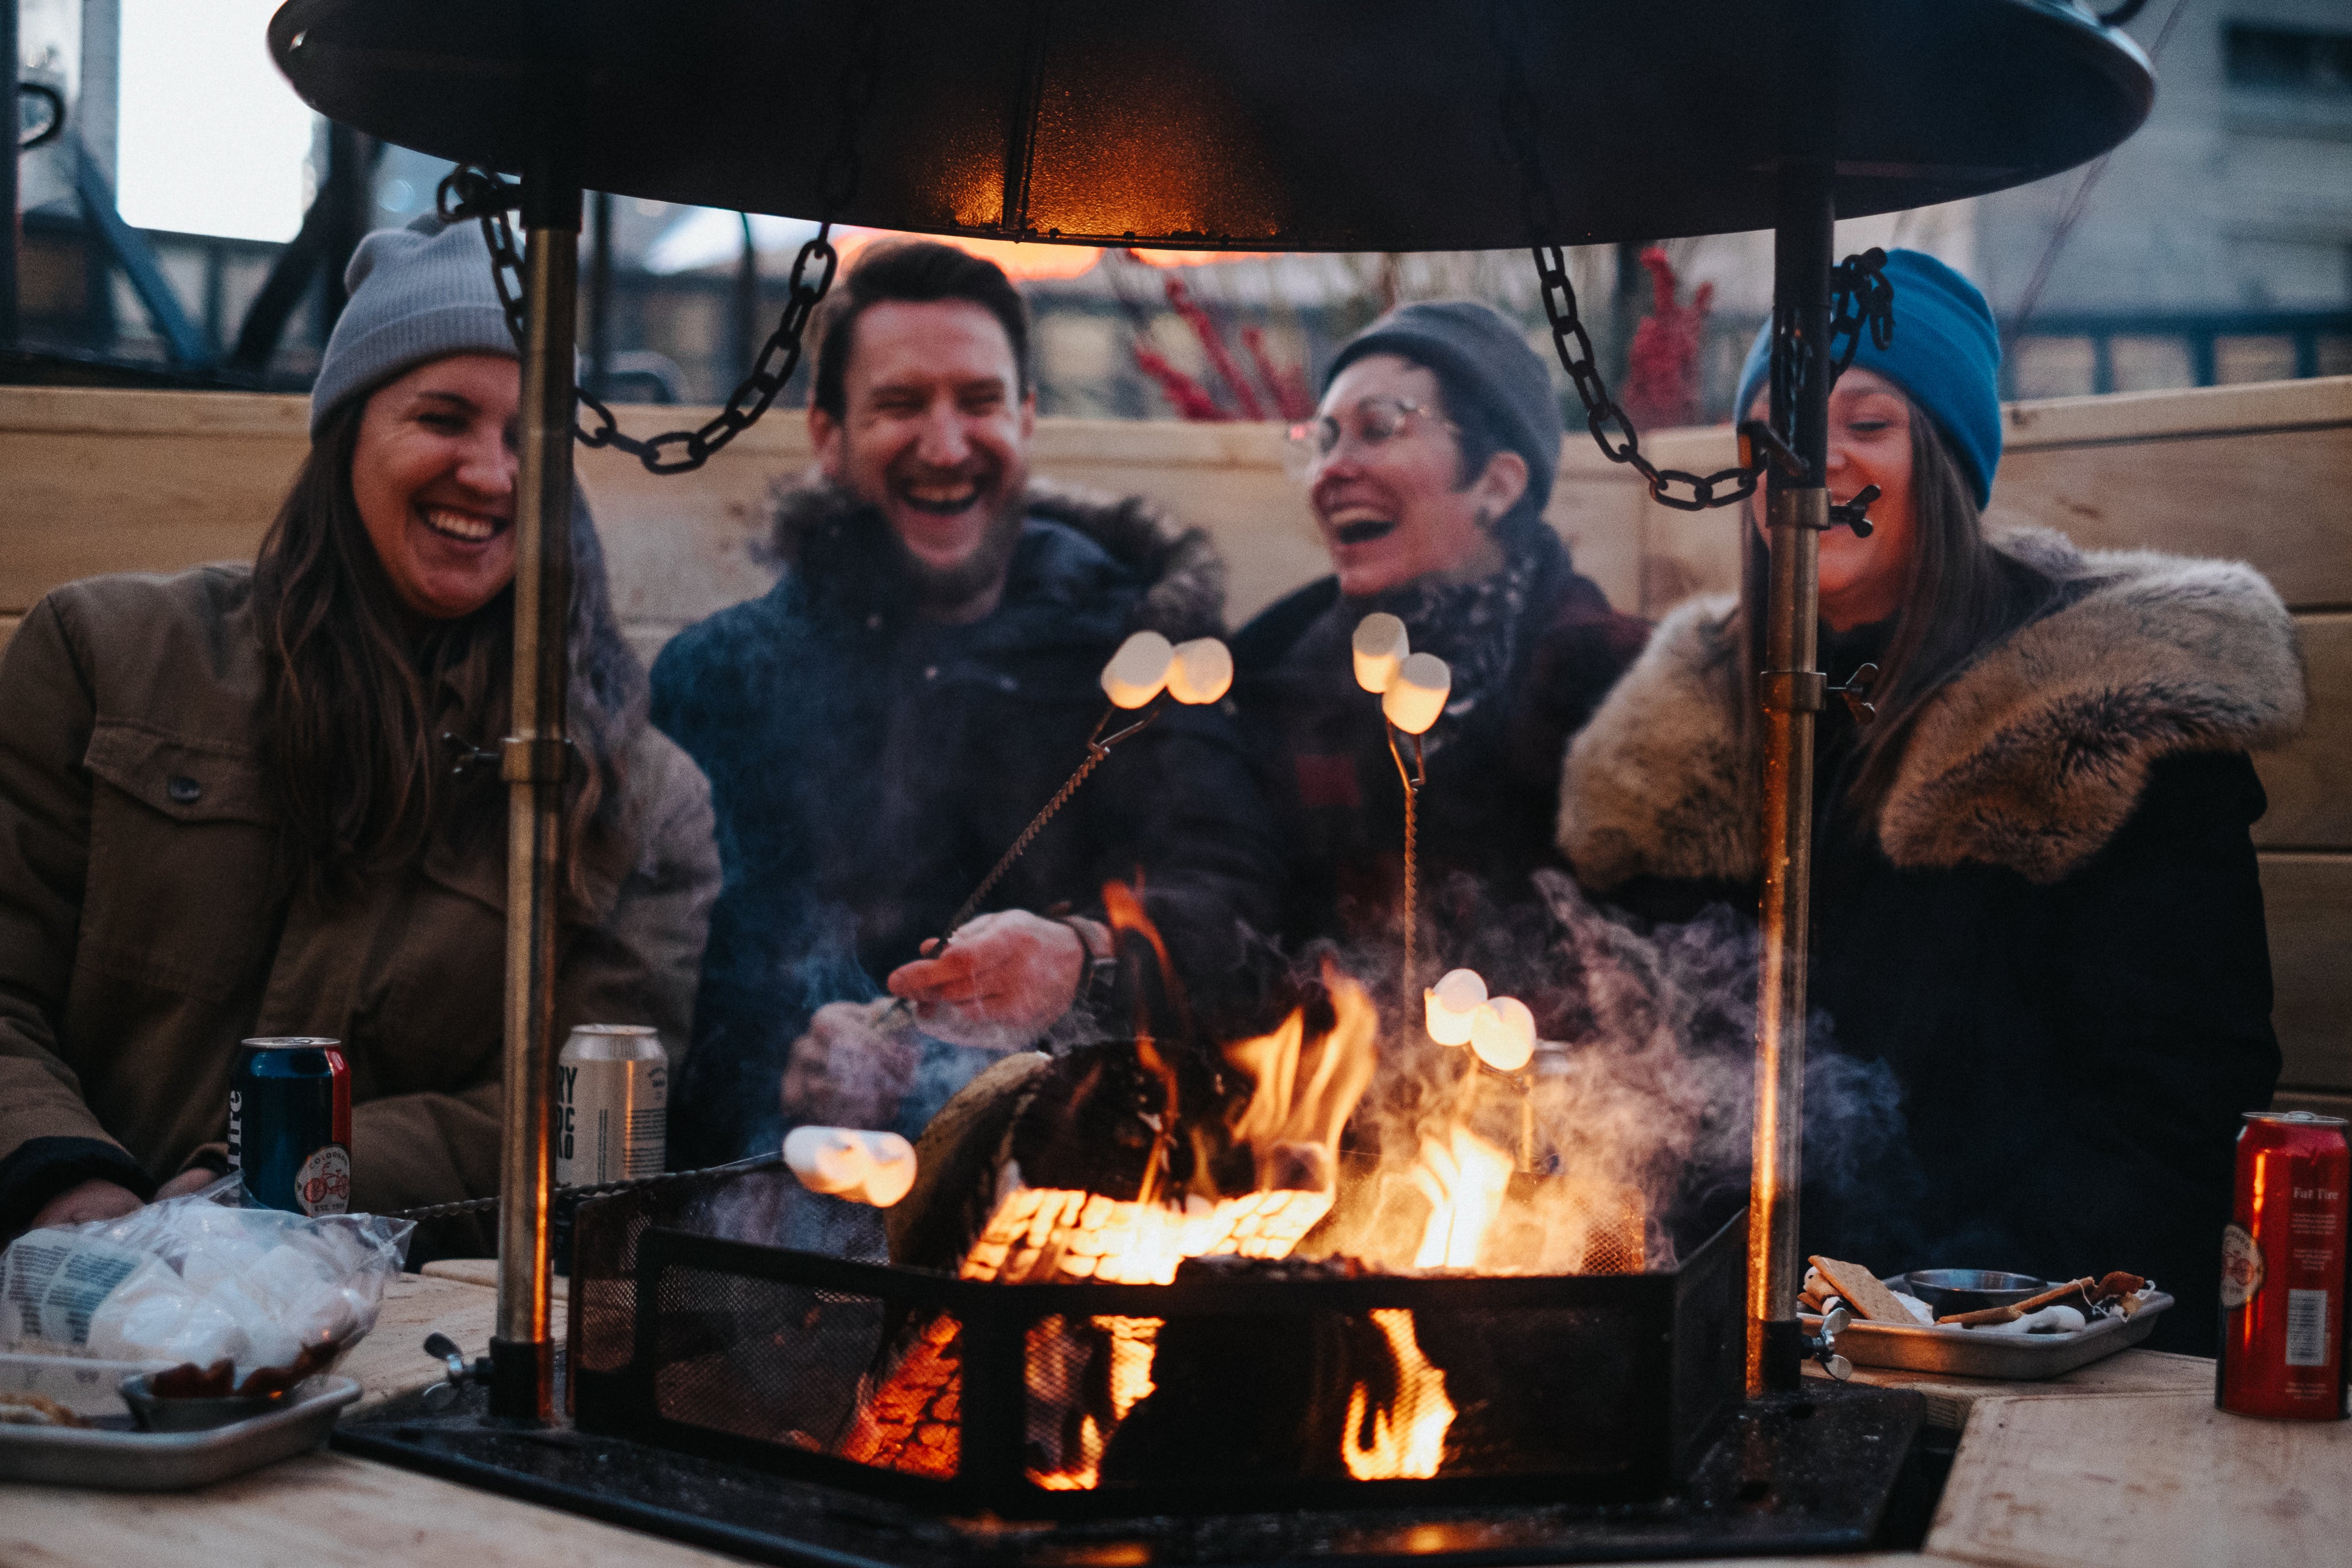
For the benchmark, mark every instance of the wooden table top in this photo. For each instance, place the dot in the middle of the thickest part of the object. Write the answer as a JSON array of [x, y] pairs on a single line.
[[2123, 1464]]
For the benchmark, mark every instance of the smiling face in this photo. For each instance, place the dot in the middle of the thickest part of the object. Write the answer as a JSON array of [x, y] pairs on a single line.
[[433, 475], [1864, 581], [934, 435], [1392, 509]]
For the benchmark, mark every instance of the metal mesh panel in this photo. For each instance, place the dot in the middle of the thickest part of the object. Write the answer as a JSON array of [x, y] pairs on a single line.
[[760, 1358]]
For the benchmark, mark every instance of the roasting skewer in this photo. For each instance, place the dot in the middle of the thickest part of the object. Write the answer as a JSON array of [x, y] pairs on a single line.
[[1146, 667]]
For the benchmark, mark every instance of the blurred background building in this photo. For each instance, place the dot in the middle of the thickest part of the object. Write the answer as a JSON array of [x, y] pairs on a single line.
[[187, 221]]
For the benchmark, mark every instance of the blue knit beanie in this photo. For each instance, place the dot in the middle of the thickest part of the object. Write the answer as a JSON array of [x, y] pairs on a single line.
[[1487, 359], [1946, 353], [417, 294]]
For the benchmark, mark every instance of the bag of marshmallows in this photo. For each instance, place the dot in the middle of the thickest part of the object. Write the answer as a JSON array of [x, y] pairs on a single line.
[[197, 1279]]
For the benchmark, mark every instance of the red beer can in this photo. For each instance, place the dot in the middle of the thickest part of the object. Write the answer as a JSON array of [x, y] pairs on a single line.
[[2282, 1270]]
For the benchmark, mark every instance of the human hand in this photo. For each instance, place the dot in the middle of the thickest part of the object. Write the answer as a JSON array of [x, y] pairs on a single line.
[[97, 1198], [850, 1069], [195, 1178], [1002, 981]]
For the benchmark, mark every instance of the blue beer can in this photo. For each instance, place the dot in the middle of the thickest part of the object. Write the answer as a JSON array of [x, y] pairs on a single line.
[[290, 1124]]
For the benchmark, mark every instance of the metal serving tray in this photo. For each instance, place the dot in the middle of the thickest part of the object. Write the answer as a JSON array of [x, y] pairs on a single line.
[[116, 1457], [2009, 1357]]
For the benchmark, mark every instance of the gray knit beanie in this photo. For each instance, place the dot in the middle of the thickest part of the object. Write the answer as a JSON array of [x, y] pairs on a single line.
[[1481, 359], [417, 294]]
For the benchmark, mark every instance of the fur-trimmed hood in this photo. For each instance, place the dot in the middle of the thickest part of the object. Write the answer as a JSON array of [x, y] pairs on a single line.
[[1184, 578], [2031, 759]]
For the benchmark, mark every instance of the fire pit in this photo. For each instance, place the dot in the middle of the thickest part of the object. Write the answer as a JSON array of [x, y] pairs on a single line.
[[795, 1408], [1265, 1386]]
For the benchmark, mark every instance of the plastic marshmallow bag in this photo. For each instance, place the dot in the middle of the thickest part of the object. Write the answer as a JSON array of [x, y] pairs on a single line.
[[199, 1279]]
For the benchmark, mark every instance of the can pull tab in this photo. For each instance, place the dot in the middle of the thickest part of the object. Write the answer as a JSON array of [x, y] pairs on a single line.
[[1823, 1347], [444, 1393]]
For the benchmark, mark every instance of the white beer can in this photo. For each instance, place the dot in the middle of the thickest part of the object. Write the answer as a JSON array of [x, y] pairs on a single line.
[[612, 1104]]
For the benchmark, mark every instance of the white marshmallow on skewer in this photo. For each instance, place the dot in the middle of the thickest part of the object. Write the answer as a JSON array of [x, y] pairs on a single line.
[[1415, 698], [893, 1169], [1138, 671], [1452, 1003], [1202, 672], [1503, 1033], [874, 1168], [1381, 646], [829, 1159]]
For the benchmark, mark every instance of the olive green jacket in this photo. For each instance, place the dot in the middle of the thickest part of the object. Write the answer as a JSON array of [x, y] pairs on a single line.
[[145, 928]]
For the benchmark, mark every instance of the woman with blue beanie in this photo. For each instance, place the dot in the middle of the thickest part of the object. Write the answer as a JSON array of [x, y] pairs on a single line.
[[1427, 466], [2034, 893], [229, 805]]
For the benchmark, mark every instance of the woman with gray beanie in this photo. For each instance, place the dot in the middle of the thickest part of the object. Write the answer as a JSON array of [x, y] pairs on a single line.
[[1427, 466], [241, 801]]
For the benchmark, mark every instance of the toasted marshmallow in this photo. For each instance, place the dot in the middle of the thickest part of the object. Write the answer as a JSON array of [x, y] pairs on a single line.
[[893, 1169], [1381, 646], [1138, 671], [1452, 1003], [1503, 1033], [828, 1159], [1415, 698], [876, 1169], [1202, 672]]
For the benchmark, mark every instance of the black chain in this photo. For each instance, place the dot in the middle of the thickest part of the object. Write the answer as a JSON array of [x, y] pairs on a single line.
[[470, 193], [1860, 294]]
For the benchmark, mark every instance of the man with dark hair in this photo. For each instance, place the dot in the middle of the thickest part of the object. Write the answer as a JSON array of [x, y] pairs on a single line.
[[878, 728]]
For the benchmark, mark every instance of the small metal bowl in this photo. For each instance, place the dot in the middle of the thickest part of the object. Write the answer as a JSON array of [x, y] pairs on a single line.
[[1950, 1291], [154, 1413]]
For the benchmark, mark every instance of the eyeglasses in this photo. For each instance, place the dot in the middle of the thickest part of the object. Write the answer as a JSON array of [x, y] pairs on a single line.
[[1375, 422]]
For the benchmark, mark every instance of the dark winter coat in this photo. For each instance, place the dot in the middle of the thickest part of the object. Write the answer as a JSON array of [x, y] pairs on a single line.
[[2051, 931], [145, 929], [868, 767], [1320, 747]]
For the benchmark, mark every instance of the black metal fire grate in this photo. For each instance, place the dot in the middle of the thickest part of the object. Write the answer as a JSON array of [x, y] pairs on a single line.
[[717, 1384], [1209, 1394]]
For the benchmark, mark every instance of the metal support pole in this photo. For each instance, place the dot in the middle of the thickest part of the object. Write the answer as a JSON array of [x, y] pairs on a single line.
[[599, 295], [1796, 512], [8, 174], [534, 764]]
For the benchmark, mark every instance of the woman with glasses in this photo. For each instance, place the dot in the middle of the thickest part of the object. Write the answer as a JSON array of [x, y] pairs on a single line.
[[1427, 466], [2034, 892]]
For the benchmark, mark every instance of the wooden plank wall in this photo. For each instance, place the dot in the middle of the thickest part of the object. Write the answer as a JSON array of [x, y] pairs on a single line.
[[108, 481]]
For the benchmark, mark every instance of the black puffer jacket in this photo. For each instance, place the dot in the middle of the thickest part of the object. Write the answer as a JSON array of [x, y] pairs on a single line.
[[868, 767], [2051, 931], [1320, 745]]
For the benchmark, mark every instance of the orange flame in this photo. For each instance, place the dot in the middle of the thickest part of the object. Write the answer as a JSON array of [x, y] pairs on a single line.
[[1404, 1440], [1464, 1178], [1301, 1091]]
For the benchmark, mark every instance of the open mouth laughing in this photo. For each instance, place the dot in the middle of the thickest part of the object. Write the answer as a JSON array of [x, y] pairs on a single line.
[[942, 498], [464, 528], [1362, 530]]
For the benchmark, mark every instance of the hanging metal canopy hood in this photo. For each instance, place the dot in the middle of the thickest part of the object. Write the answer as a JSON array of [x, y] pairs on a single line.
[[1228, 124]]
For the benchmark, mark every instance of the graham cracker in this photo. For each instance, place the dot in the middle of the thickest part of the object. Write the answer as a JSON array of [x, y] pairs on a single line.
[[1861, 1291]]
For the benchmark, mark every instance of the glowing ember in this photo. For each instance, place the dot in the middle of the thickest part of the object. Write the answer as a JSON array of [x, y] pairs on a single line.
[[1402, 1438], [1464, 1178]]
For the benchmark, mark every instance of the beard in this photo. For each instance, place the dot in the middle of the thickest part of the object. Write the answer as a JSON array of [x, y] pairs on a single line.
[[943, 592]]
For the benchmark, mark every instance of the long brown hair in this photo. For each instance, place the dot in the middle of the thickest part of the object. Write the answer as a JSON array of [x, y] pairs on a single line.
[[359, 693], [1960, 595]]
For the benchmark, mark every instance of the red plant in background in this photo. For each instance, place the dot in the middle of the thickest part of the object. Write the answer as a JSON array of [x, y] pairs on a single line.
[[1192, 399], [1289, 384], [1661, 368], [1286, 387]]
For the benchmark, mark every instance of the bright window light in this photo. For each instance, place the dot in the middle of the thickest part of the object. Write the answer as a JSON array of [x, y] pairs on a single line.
[[213, 141]]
